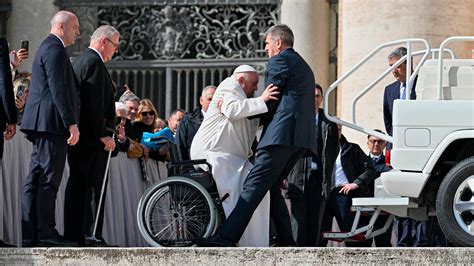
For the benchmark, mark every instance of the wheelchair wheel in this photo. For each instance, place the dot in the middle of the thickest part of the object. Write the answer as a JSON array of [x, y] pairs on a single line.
[[174, 212]]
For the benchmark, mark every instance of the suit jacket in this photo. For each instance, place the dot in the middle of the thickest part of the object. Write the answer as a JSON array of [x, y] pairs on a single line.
[[290, 120], [326, 150], [391, 93], [186, 131], [380, 166], [97, 98], [358, 168], [7, 101], [53, 101]]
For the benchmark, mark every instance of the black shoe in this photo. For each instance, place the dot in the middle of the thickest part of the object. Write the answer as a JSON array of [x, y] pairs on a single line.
[[29, 243], [214, 241], [57, 241], [5, 245]]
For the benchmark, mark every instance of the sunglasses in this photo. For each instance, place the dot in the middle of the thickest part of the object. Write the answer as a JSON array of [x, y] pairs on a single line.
[[150, 113]]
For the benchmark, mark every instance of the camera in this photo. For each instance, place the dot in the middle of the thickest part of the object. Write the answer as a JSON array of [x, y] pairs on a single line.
[[25, 45], [20, 91]]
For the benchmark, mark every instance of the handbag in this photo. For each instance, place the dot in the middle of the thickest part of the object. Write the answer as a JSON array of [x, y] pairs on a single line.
[[135, 150]]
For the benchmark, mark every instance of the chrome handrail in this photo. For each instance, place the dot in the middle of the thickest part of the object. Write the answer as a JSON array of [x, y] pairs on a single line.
[[410, 79], [440, 60]]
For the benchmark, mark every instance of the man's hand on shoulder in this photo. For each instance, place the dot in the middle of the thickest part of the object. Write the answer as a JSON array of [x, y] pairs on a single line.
[[74, 135], [269, 93]]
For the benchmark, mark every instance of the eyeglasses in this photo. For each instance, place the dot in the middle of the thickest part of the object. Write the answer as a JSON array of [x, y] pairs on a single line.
[[150, 113], [372, 141], [318, 95], [116, 45]]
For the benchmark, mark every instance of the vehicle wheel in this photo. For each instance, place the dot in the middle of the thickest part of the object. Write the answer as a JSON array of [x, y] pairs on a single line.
[[455, 204], [174, 212]]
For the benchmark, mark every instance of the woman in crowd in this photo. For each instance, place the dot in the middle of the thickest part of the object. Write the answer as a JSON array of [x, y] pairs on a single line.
[[145, 121], [21, 87]]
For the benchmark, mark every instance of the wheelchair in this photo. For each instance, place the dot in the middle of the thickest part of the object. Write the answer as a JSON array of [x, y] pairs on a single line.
[[181, 207]]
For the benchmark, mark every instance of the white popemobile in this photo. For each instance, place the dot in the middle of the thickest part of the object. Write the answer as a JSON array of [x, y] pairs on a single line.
[[433, 146]]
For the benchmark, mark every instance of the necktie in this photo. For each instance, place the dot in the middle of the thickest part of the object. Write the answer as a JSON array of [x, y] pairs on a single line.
[[374, 159], [404, 91]]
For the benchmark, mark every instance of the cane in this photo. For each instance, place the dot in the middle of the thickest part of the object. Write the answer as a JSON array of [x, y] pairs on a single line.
[[101, 195]]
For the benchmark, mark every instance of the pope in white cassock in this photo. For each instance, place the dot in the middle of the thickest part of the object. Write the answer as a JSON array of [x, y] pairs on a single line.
[[225, 139]]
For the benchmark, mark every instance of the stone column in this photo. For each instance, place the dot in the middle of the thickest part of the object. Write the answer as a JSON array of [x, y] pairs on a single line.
[[30, 21], [364, 24], [309, 20]]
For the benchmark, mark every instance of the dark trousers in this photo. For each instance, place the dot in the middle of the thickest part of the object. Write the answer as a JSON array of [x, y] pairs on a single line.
[[383, 240], [427, 233], [87, 167], [280, 217], [305, 211], [405, 233], [41, 186], [339, 206], [271, 165]]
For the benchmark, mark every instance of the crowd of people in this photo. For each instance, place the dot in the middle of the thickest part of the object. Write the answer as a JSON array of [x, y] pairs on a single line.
[[286, 187]]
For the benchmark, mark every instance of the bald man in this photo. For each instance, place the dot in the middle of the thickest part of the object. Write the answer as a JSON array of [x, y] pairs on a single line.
[[50, 122]]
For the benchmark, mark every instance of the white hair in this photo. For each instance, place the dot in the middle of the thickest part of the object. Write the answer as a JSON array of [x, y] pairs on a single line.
[[106, 31]]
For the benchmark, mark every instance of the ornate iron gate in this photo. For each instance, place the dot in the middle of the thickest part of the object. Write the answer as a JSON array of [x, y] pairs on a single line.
[[170, 49]]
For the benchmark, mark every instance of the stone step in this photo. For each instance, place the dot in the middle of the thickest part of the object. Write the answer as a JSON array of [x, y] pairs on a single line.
[[234, 256]]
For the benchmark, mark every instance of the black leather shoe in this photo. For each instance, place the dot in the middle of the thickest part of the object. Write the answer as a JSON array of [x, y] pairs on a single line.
[[57, 241], [5, 245], [214, 241], [29, 243]]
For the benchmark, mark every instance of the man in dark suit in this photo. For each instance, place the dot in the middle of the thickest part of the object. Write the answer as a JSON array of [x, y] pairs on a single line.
[[191, 122], [396, 90], [288, 133], [50, 122], [352, 176], [7, 104], [305, 182], [88, 159], [376, 147]]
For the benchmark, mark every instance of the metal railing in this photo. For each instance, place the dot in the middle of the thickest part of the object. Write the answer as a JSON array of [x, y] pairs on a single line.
[[409, 77], [175, 84], [440, 60]]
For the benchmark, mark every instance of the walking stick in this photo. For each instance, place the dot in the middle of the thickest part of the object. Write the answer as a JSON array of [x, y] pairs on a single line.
[[101, 195]]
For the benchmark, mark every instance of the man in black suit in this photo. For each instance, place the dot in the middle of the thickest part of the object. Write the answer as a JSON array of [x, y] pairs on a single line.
[[376, 147], [50, 122], [288, 133], [7, 104], [87, 160], [305, 182], [352, 176], [396, 90], [191, 122]]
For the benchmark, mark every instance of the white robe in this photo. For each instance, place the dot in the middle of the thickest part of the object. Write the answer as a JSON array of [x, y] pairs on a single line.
[[225, 139]]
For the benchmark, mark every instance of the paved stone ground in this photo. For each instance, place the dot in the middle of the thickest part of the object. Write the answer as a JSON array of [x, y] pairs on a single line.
[[236, 256]]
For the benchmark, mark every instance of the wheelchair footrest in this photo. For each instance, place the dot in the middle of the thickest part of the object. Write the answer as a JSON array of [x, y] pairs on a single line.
[[344, 236]]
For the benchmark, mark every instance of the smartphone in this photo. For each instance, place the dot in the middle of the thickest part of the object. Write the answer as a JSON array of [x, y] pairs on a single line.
[[25, 45], [20, 91]]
